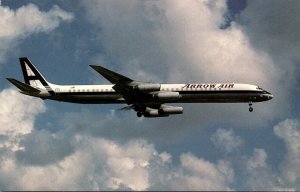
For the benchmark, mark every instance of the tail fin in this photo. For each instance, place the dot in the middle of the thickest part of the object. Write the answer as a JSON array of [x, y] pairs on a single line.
[[31, 75]]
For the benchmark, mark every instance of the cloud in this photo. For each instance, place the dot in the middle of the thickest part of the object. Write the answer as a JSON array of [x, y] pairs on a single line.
[[289, 131], [258, 160], [104, 164], [18, 113], [18, 24], [258, 172], [226, 140], [170, 41], [271, 29], [199, 174], [41, 147], [101, 164], [68, 160], [174, 42]]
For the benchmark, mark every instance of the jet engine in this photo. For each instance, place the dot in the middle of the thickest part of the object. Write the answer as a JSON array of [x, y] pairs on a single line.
[[170, 110], [164, 111], [166, 96], [147, 87], [149, 112]]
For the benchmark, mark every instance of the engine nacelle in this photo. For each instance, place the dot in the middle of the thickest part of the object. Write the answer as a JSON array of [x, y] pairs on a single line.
[[165, 109], [149, 112], [147, 87], [166, 96]]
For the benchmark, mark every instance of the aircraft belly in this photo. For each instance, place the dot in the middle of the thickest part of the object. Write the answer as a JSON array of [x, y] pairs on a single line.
[[219, 98], [91, 99], [111, 98]]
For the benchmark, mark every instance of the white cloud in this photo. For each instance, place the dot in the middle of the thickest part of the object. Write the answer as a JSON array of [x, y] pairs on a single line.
[[100, 164], [17, 113], [199, 174], [180, 41], [226, 140], [289, 131], [18, 24], [258, 160], [67, 160], [174, 41], [259, 174], [103, 164]]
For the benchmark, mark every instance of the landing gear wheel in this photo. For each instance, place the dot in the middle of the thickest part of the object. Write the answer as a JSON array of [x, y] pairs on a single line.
[[250, 109], [139, 114]]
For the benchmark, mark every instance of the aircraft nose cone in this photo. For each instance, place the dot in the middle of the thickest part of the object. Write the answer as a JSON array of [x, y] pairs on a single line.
[[270, 96], [267, 96]]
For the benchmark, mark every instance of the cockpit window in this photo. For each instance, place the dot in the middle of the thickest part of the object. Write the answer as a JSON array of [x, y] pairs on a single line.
[[258, 88]]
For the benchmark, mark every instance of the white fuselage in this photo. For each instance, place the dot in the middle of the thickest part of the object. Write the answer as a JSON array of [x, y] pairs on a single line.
[[189, 93]]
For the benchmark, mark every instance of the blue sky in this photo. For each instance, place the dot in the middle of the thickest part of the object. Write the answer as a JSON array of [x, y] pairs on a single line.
[[96, 147]]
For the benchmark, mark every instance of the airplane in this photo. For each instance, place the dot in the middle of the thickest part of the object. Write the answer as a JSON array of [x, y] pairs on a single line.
[[147, 99]]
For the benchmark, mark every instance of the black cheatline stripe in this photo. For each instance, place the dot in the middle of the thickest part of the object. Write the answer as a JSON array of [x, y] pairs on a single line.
[[86, 93], [181, 92], [217, 92]]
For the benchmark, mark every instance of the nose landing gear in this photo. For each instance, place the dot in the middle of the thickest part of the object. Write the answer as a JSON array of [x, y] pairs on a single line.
[[250, 107]]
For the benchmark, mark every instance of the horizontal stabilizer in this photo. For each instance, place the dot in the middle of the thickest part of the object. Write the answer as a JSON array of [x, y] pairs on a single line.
[[22, 86], [111, 76]]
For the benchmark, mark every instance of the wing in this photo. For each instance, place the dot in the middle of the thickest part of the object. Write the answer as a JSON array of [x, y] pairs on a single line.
[[123, 85], [132, 91], [145, 98], [111, 76]]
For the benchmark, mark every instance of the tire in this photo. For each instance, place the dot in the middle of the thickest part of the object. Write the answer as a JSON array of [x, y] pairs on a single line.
[[139, 114]]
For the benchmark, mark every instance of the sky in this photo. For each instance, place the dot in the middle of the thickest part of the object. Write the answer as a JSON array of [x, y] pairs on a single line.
[[49, 145]]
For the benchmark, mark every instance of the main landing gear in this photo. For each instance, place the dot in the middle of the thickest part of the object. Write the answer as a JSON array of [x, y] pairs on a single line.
[[250, 107], [139, 113], [140, 110]]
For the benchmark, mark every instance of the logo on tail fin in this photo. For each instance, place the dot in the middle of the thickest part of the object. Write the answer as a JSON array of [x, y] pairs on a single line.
[[32, 76]]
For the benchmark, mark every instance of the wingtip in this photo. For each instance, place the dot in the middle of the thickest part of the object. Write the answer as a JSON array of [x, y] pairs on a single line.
[[93, 66], [9, 79]]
